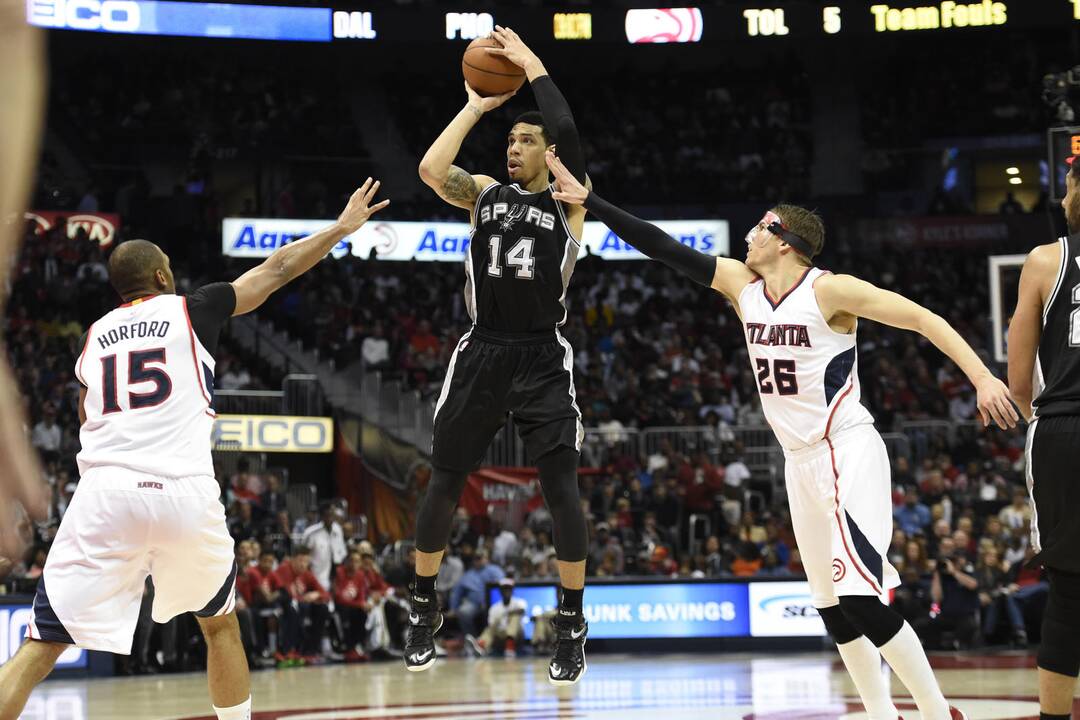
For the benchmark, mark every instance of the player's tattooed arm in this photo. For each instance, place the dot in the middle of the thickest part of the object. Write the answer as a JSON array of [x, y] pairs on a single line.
[[437, 168], [459, 187]]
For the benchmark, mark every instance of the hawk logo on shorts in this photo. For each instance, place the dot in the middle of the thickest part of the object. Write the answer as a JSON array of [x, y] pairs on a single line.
[[839, 570]]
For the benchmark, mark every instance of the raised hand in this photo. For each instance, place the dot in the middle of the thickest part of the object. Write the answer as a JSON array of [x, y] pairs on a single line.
[[513, 48], [359, 209], [994, 403], [567, 187], [486, 104]]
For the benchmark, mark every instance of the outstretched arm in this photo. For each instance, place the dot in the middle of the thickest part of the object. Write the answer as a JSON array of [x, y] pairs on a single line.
[[553, 106], [724, 275], [847, 295], [1025, 328], [290, 261], [437, 170]]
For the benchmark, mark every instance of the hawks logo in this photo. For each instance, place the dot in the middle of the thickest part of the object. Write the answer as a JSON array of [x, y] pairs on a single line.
[[839, 570]]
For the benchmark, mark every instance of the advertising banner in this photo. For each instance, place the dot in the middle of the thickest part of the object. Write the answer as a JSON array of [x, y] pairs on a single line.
[[443, 241], [783, 609], [99, 227], [13, 622], [685, 609], [631, 610], [273, 433]]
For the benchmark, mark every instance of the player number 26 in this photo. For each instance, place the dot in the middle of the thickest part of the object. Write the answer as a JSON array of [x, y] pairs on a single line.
[[783, 374]]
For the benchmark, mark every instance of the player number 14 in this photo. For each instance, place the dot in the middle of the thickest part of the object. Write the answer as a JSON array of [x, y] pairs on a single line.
[[520, 257]]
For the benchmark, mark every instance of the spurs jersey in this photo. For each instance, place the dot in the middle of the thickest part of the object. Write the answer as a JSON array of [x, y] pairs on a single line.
[[1057, 363], [521, 257], [807, 373], [149, 379]]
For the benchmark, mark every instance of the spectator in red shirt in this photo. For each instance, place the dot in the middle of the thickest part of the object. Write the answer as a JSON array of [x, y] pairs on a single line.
[[260, 582], [423, 340], [304, 605], [351, 603]]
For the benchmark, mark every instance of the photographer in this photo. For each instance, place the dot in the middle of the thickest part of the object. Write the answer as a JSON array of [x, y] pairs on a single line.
[[954, 591]]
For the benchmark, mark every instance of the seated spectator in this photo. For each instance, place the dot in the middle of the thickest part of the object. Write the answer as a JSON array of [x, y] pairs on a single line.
[[991, 572], [468, 598], [273, 500], [384, 624], [953, 587], [912, 517], [351, 605], [303, 602], [1018, 512], [747, 560], [504, 623]]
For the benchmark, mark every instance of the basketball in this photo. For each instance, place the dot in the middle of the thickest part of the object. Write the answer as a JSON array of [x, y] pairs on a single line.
[[489, 74]]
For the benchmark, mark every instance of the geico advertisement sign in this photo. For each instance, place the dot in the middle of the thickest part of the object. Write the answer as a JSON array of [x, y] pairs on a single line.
[[273, 433], [443, 241], [783, 609], [13, 622], [100, 15]]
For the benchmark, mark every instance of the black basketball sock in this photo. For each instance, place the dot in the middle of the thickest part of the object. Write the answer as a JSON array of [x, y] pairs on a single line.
[[424, 584], [572, 600]]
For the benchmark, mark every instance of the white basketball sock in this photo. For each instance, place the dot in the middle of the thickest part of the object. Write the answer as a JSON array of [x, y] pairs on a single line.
[[863, 663], [236, 712], [905, 656]]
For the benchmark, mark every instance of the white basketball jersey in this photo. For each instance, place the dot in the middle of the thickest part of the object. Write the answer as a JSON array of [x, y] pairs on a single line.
[[148, 386], [807, 373]]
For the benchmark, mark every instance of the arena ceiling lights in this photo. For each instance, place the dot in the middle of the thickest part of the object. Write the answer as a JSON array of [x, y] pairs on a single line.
[[664, 25]]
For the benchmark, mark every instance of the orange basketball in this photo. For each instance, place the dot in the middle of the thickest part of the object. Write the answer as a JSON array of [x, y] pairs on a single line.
[[489, 74]]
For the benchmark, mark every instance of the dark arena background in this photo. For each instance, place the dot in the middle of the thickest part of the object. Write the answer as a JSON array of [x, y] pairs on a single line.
[[932, 139]]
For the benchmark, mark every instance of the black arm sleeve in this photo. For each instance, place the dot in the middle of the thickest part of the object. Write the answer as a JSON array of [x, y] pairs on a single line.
[[560, 122], [653, 241], [210, 307]]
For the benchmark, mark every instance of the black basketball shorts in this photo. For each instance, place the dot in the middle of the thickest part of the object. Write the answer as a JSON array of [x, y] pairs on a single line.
[[491, 374], [1055, 491]]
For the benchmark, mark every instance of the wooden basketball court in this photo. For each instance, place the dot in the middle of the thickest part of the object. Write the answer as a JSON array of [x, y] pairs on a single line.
[[617, 687]]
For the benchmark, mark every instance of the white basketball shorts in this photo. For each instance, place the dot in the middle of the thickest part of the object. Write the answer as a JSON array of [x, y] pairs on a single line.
[[121, 526], [840, 492]]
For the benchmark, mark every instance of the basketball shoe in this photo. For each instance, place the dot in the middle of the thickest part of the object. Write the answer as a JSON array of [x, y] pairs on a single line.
[[568, 660], [424, 621]]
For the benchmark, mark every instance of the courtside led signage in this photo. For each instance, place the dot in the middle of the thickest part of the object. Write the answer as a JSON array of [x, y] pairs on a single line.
[[663, 25]]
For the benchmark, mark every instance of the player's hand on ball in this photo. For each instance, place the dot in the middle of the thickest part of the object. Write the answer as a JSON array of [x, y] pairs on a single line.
[[994, 403], [513, 47], [359, 209], [567, 187], [486, 104]]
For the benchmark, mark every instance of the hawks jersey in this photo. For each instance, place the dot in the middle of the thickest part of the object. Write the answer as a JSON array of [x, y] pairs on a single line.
[[807, 373], [149, 389], [521, 256], [1057, 363]]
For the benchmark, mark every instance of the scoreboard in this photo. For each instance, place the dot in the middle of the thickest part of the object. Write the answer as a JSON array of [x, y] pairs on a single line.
[[778, 20], [1064, 143]]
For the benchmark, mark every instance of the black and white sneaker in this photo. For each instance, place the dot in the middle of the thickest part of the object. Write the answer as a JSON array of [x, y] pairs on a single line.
[[424, 621], [568, 660]]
